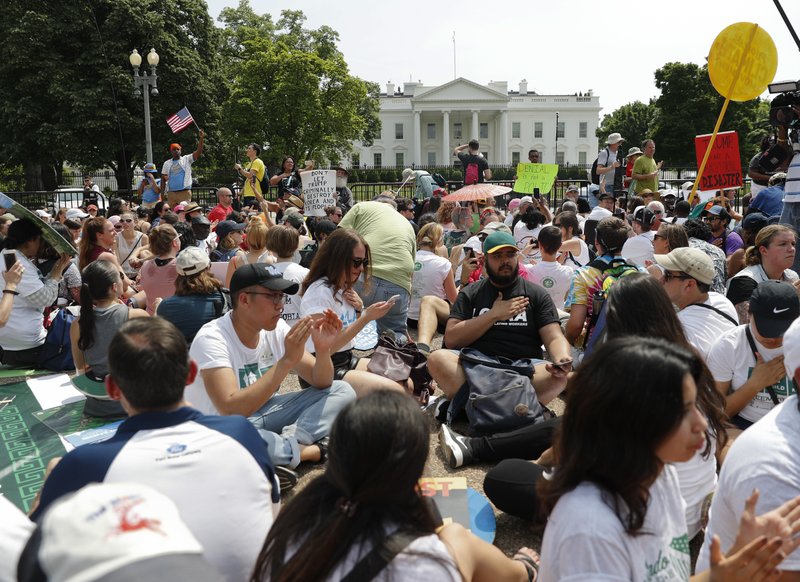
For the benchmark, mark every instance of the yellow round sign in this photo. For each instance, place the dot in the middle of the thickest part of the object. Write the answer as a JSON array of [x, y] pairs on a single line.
[[743, 57]]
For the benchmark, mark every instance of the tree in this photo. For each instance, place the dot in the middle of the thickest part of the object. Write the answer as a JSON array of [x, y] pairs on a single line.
[[633, 121], [689, 105], [66, 87], [291, 88]]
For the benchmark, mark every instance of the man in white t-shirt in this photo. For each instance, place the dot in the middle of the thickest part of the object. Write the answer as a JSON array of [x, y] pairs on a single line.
[[604, 208], [705, 315], [639, 249], [765, 457], [176, 173], [548, 273], [245, 355]]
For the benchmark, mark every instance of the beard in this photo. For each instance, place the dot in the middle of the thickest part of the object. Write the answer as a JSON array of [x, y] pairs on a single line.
[[502, 280], [341, 181]]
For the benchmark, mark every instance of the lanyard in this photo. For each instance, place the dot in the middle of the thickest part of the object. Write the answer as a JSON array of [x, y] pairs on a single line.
[[752, 343]]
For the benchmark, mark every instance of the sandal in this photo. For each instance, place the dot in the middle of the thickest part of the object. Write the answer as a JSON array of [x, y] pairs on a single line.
[[323, 445], [530, 559]]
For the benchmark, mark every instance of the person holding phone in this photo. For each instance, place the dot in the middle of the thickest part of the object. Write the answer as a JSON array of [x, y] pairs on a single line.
[[339, 263], [23, 334]]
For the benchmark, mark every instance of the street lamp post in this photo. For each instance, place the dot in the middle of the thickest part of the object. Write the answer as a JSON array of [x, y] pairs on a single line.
[[149, 82]]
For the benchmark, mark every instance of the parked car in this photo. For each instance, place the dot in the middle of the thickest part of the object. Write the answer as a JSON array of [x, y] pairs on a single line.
[[74, 198]]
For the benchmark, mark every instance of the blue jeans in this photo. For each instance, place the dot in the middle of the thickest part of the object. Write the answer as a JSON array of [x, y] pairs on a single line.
[[289, 420], [791, 217], [381, 290]]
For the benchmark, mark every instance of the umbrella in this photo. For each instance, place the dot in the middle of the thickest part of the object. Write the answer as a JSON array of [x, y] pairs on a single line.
[[476, 192]]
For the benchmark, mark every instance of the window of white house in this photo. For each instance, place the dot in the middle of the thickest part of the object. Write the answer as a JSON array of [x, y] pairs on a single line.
[[538, 129], [431, 131], [582, 158], [559, 158], [484, 131], [377, 160], [560, 129], [431, 158], [516, 130], [355, 159], [583, 129], [398, 131], [398, 159], [457, 131], [514, 158]]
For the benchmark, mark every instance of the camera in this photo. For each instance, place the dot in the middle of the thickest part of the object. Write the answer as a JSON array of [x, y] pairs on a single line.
[[787, 94]]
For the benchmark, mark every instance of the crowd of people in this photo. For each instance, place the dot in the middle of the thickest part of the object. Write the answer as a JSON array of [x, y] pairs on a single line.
[[669, 329]]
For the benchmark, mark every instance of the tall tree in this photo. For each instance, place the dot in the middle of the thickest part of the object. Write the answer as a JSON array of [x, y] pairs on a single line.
[[689, 106], [291, 88], [66, 87], [633, 121]]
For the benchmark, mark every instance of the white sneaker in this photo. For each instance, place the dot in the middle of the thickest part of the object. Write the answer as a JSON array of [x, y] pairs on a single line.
[[454, 447]]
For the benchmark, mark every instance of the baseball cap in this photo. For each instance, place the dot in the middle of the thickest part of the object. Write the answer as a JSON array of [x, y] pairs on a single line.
[[774, 305], [43, 214], [191, 260], [791, 348], [498, 240], [12, 218], [644, 215], [495, 226], [525, 199], [115, 532], [226, 227], [74, 213], [150, 167], [605, 196], [719, 211], [755, 221], [295, 219], [689, 260], [179, 208], [572, 188], [263, 275], [201, 220], [513, 204]]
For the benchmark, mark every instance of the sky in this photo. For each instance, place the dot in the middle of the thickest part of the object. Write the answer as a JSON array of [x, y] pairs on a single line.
[[559, 47]]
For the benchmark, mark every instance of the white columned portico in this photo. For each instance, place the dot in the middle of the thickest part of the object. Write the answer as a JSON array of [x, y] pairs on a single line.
[[417, 139], [474, 131], [503, 137], [447, 153]]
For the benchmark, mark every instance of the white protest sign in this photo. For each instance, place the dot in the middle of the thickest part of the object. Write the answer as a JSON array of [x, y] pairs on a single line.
[[319, 191]]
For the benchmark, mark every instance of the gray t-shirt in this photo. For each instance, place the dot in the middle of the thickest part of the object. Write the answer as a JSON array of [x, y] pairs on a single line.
[[107, 321]]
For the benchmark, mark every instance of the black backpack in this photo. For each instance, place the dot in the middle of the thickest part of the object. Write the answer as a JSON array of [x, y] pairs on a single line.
[[595, 177], [440, 181]]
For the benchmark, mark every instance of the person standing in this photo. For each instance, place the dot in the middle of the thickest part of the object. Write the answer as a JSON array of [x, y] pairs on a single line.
[[150, 186], [253, 174], [645, 169], [608, 162], [476, 168], [176, 174]]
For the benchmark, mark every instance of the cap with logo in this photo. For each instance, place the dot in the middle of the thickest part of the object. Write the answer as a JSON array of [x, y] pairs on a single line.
[[689, 260], [262, 275], [774, 305]]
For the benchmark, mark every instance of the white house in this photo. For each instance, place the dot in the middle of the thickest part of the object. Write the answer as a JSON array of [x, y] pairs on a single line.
[[421, 125]]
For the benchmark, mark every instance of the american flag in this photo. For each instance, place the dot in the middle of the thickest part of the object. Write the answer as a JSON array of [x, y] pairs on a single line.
[[180, 121]]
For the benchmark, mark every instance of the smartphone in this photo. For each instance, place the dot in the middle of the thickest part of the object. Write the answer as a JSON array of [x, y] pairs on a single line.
[[536, 194], [469, 254], [393, 299], [10, 257], [561, 365]]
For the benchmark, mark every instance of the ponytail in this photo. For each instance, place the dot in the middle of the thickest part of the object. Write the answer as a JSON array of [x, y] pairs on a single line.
[[98, 278]]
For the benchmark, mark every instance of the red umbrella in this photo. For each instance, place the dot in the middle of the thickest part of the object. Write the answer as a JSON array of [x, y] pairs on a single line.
[[476, 192]]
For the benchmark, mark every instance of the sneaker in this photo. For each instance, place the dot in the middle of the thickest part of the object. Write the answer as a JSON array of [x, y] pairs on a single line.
[[454, 447], [286, 478], [437, 407]]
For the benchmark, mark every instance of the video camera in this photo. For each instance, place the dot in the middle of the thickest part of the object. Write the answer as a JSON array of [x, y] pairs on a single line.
[[781, 112]]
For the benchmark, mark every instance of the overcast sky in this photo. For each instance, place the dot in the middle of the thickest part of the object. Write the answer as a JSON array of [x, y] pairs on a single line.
[[560, 47]]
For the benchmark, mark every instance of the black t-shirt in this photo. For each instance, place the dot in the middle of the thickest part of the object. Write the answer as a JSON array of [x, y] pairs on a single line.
[[292, 181], [513, 338], [468, 158]]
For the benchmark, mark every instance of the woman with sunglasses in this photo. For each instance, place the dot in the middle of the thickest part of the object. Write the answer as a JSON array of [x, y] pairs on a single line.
[[129, 244], [159, 210], [339, 263]]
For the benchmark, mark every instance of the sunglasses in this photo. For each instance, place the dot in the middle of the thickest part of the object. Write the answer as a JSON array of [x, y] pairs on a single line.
[[361, 263], [670, 276]]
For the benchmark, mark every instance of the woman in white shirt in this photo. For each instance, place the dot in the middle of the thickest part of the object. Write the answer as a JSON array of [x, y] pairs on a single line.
[[567, 221], [433, 287], [369, 495], [614, 502], [329, 285]]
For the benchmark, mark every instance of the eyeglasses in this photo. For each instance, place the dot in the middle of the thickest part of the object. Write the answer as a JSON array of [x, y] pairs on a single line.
[[669, 276], [278, 299], [557, 224], [361, 263], [710, 218], [660, 236]]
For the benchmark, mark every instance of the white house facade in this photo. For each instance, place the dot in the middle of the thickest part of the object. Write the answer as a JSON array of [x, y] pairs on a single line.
[[421, 125]]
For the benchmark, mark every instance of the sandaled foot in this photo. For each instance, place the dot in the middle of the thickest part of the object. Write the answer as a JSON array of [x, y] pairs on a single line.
[[530, 559], [323, 444]]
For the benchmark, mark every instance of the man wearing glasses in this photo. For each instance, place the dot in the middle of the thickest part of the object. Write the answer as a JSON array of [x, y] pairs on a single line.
[[244, 356], [704, 314], [718, 219]]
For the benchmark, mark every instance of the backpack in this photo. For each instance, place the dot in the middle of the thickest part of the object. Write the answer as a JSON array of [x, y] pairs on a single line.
[[471, 174], [56, 352], [595, 177], [440, 181], [611, 272]]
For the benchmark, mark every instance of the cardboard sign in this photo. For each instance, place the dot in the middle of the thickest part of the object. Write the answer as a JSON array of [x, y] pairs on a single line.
[[319, 191], [531, 176], [724, 167], [450, 496]]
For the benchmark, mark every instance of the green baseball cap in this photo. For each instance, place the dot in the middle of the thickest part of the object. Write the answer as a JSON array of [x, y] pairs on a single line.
[[498, 240]]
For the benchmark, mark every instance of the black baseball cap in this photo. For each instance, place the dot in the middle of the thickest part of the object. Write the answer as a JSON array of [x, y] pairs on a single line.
[[605, 196], [263, 275], [774, 306]]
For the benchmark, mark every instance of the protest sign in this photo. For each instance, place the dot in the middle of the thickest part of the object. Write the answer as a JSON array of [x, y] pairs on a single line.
[[57, 241], [724, 167], [319, 191], [531, 176]]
